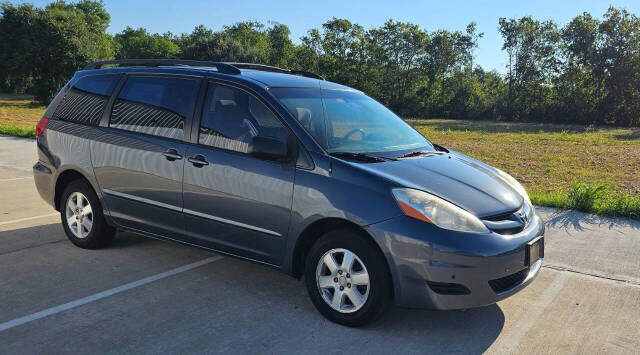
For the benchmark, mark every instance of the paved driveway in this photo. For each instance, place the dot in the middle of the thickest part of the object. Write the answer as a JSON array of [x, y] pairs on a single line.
[[145, 296]]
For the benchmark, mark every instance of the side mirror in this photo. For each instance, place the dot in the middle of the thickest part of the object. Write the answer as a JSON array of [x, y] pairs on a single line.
[[268, 148]]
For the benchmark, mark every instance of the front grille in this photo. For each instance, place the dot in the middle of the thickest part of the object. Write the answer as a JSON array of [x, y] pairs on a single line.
[[445, 288], [509, 231], [509, 281], [510, 222], [499, 217]]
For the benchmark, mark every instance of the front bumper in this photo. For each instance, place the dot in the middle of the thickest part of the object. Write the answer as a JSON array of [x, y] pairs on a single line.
[[440, 269]]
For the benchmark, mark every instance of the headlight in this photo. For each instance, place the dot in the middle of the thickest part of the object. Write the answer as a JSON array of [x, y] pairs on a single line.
[[431, 209], [515, 184]]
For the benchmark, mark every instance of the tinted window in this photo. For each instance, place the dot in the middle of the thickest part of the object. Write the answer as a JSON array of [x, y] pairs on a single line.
[[87, 98], [154, 105], [232, 117], [355, 123]]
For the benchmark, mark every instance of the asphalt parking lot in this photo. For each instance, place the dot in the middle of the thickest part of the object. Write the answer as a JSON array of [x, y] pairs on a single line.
[[145, 296]]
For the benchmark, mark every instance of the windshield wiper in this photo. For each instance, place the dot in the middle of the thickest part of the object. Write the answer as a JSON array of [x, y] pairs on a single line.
[[359, 156], [419, 152]]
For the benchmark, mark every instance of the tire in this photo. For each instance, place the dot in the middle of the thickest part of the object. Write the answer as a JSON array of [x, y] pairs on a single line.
[[85, 228], [371, 301]]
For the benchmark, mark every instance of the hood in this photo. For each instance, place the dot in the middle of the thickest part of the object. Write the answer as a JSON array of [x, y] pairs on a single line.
[[455, 177]]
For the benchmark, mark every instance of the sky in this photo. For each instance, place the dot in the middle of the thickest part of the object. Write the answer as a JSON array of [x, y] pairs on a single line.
[[182, 16]]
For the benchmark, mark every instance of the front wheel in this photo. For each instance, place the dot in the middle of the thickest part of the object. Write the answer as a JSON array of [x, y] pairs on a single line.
[[347, 278]]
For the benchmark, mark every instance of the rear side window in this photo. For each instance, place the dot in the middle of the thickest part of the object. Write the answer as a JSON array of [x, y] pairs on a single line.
[[86, 100], [154, 105], [232, 118]]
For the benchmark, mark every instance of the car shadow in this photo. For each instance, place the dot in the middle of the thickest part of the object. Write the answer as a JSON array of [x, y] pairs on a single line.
[[569, 221], [125, 240], [459, 331], [454, 331]]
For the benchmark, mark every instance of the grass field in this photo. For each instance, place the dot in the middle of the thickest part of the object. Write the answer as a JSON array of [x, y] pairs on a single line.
[[593, 169], [19, 115]]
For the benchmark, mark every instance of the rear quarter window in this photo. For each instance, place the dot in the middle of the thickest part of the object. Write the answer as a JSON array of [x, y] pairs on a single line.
[[86, 99]]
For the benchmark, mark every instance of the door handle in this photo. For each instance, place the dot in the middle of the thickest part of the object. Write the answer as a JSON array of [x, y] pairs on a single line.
[[198, 161], [172, 154]]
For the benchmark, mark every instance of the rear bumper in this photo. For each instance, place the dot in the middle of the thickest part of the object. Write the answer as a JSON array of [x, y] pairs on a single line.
[[439, 269], [43, 177]]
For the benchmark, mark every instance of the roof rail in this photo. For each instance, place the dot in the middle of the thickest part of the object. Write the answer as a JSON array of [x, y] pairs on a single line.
[[308, 74], [261, 67], [224, 68], [270, 68]]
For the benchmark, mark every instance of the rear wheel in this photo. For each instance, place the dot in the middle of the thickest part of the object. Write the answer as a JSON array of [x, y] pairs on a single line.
[[347, 278], [82, 217]]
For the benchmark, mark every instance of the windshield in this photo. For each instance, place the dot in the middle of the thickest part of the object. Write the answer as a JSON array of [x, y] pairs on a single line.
[[350, 121]]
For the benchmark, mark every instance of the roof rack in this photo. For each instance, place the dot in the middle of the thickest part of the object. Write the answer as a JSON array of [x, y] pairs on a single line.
[[263, 67], [223, 67]]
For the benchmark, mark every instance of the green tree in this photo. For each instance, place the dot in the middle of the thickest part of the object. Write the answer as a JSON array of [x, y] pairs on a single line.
[[138, 43], [338, 49], [531, 46], [598, 81], [476, 94], [199, 44], [242, 42], [449, 54], [281, 48], [585, 72], [397, 52], [579, 87], [619, 67], [42, 48], [18, 45]]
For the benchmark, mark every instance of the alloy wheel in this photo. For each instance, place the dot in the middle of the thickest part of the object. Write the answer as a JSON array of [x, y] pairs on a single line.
[[343, 280], [79, 215]]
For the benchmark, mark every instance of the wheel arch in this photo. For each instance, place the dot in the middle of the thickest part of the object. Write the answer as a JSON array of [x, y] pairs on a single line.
[[64, 178], [314, 231]]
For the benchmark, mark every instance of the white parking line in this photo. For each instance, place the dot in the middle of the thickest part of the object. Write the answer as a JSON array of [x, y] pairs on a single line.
[[100, 295], [16, 169], [29, 218], [18, 178]]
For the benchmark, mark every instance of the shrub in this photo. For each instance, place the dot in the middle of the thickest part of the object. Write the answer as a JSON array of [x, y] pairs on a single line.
[[583, 197]]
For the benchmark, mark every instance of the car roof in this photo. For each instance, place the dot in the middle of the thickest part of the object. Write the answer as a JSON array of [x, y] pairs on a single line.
[[272, 79], [265, 79]]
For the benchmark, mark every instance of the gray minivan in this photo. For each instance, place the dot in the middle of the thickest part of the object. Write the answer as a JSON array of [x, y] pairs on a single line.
[[285, 169]]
